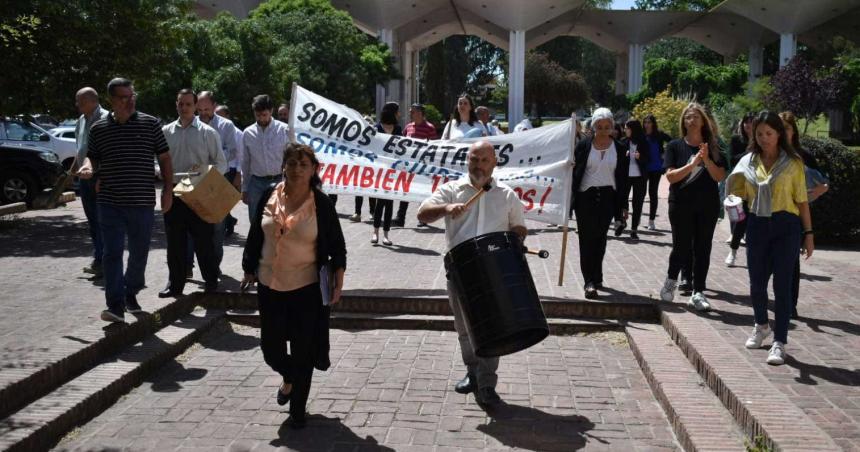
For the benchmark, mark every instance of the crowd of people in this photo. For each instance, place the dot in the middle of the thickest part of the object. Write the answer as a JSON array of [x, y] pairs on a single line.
[[295, 252]]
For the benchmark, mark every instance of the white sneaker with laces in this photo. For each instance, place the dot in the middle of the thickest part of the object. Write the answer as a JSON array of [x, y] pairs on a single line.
[[651, 225], [699, 302], [730, 259], [776, 356], [759, 334], [667, 293]]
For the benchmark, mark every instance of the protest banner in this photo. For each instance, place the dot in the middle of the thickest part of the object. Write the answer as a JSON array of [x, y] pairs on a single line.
[[356, 159]]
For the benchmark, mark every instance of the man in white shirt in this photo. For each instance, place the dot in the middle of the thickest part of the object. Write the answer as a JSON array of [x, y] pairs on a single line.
[[497, 210], [193, 147], [484, 116], [263, 145]]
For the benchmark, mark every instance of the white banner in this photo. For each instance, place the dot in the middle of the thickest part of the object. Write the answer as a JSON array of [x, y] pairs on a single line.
[[355, 159]]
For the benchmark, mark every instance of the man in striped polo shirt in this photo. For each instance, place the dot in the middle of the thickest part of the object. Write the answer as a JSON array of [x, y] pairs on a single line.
[[122, 148], [421, 128]]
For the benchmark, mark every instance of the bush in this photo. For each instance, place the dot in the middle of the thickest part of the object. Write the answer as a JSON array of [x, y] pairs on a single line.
[[665, 108], [434, 116], [834, 219]]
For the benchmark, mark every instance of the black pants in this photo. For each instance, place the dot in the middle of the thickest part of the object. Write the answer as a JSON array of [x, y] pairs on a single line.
[[359, 201], [401, 211], [595, 208], [653, 192], [739, 229], [290, 316], [693, 225], [795, 282], [333, 199], [180, 222], [383, 208], [637, 184]]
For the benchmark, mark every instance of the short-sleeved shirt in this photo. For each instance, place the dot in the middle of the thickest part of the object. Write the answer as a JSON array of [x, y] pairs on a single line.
[[787, 190], [125, 156], [423, 130], [702, 186], [497, 210]]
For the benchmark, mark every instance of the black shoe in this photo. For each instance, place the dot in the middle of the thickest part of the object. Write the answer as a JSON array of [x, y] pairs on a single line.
[[619, 228], [211, 288], [466, 385], [399, 222], [685, 286], [487, 396], [168, 292], [189, 273], [131, 305], [794, 314], [634, 235], [422, 225], [590, 291], [297, 422], [95, 268], [283, 398]]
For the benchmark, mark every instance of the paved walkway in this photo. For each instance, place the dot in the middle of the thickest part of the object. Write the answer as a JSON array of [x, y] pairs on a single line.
[[390, 390], [47, 299]]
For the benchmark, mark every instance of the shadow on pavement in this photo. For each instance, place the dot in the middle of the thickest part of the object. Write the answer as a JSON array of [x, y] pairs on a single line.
[[532, 429], [835, 375], [324, 433]]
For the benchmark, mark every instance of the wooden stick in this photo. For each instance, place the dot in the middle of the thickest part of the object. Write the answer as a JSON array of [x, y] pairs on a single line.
[[475, 197], [543, 254], [567, 202]]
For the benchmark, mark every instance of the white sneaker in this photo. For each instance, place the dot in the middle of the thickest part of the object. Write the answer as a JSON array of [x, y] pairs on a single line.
[[667, 293], [355, 218], [759, 334], [728, 239], [699, 302], [730, 259], [651, 225], [776, 357]]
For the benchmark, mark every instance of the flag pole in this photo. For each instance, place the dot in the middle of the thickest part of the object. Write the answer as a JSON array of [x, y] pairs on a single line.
[[291, 123], [569, 191]]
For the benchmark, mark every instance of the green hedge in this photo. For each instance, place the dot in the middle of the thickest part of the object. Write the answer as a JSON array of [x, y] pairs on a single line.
[[836, 215]]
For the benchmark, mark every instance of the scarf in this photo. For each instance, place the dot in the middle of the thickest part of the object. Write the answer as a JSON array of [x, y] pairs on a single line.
[[762, 204]]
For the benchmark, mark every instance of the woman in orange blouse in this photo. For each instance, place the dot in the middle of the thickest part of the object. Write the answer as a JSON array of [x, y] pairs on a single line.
[[296, 253]]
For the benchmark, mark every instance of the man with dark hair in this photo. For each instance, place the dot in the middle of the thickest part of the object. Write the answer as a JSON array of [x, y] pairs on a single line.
[[419, 128], [227, 132], [193, 147], [284, 113], [87, 101], [122, 147], [263, 145]]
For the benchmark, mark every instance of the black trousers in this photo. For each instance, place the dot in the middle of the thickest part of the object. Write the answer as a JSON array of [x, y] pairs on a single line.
[[382, 214], [401, 211], [653, 192], [638, 185], [180, 222], [359, 201], [595, 209], [693, 225], [290, 316]]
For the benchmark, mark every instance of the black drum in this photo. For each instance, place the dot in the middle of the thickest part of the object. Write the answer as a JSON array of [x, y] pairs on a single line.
[[500, 304]]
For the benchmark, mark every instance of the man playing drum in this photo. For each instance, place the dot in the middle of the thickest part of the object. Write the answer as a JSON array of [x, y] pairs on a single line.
[[498, 209]]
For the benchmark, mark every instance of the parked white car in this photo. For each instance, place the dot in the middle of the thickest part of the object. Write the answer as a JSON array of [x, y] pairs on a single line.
[[63, 132], [26, 133]]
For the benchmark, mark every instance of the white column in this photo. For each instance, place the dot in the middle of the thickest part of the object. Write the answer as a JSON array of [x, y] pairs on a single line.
[[385, 35], [621, 69], [416, 70], [636, 65], [516, 77], [756, 62], [787, 48], [408, 81]]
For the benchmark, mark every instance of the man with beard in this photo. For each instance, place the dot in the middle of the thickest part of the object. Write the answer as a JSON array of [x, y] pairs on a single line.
[[497, 210]]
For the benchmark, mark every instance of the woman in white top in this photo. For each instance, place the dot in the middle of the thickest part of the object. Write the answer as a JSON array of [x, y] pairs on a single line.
[[637, 176], [463, 121], [599, 175]]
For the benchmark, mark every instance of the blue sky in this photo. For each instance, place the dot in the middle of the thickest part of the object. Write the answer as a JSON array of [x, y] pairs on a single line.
[[622, 4]]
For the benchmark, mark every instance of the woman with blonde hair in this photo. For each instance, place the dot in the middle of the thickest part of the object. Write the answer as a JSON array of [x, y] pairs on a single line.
[[694, 167], [771, 180]]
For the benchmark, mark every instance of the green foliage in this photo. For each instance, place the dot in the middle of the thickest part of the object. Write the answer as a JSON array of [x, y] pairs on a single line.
[[677, 5], [759, 444], [595, 64], [56, 48], [277, 7], [546, 82], [434, 116], [832, 221], [693, 79], [666, 108], [673, 47]]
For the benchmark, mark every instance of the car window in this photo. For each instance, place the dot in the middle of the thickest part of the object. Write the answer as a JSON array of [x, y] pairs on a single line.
[[19, 131], [69, 134]]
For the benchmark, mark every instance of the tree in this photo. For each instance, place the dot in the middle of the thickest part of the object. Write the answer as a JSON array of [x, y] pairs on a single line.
[[66, 45], [678, 5], [704, 83], [672, 48], [549, 84], [595, 64], [799, 88]]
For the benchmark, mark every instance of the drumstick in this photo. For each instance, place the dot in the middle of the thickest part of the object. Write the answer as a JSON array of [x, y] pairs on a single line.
[[543, 254], [475, 197]]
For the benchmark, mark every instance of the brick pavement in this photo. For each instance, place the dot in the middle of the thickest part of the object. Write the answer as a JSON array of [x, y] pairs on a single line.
[[821, 376], [390, 390]]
